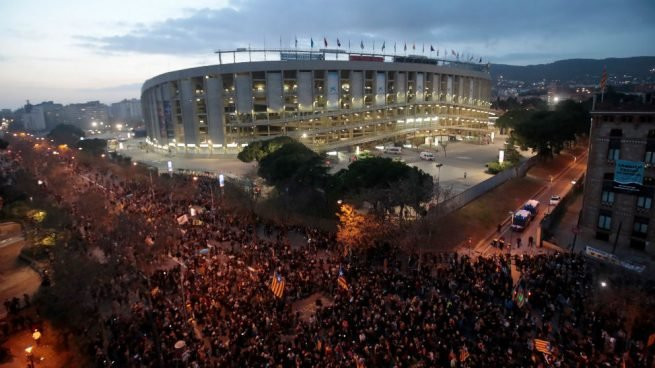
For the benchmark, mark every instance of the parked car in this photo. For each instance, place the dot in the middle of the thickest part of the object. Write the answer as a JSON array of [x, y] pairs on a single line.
[[554, 200], [428, 156], [393, 150]]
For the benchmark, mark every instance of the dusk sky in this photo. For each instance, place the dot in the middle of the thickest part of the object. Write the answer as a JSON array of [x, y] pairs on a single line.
[[80, 50]]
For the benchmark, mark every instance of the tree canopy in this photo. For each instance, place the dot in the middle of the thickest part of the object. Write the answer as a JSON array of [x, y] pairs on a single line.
[[547, 131], [66, 134], [93, 146], [385, 182], [293, 164], [255, 151]]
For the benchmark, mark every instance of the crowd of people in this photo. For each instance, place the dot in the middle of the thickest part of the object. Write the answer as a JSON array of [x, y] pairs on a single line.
[[205, 300]]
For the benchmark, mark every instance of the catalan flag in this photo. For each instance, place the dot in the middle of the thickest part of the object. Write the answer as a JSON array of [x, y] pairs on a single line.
[[463, 355], [359, 362], [542, 346], [277, 285], [341, 280], [603, 80]]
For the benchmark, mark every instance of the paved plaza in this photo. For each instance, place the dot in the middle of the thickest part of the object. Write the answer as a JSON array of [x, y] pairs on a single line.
[[463, 164]]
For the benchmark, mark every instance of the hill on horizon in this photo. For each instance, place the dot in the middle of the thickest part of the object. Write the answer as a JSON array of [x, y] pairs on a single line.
[[578, 70]]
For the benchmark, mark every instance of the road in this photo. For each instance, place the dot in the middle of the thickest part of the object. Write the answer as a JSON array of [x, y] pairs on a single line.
[[561, 184]]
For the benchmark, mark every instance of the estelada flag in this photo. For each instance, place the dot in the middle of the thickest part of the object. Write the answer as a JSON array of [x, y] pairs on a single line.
[[463, 355], [651, 340], [341, 280], [277, 285], [542, 346]]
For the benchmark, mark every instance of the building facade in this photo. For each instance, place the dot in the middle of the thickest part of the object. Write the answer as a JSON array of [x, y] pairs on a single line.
[[126, 111], [84, 115], [326, 104], [620, 180], [33, 118]]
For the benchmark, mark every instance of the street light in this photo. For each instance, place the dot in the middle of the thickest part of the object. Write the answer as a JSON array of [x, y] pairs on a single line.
[[439, 171], [36, 336], [30, 356]]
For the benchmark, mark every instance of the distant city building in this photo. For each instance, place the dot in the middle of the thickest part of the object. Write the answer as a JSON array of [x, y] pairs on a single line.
[[348, 100], [620, 181], [126, 110], [33, 118], [84, 115]]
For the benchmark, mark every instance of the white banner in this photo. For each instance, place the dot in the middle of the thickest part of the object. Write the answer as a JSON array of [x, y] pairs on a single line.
[[419, 87], [400, 87], [332, 91], [183, 219], [380, 89]]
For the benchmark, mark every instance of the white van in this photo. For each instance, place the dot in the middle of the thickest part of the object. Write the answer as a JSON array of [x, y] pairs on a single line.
[[393, 150], [428, 156]]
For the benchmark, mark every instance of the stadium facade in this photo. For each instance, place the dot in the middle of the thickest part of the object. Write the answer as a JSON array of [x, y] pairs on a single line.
[[327, 99]]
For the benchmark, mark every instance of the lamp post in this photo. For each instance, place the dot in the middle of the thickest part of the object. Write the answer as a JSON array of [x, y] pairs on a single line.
[[438, 171], [30, 356]]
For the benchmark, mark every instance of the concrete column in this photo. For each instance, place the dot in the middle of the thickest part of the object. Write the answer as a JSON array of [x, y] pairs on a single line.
[[160, 126], [187, 102], [152, 106], [215, 109]]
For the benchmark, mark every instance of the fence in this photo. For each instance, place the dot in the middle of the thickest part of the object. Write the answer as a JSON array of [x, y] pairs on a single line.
[[460, 200]]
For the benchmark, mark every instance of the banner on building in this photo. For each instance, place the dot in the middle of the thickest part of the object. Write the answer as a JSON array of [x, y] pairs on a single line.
[[332, 90], [629, 177]]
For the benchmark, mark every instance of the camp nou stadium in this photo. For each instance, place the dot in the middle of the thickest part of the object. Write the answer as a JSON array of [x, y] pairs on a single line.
[[328, 99]]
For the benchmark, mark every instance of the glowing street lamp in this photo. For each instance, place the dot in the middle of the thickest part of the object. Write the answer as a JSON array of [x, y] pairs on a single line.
[[30, 356]]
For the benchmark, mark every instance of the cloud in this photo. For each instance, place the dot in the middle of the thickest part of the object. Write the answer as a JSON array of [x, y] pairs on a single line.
[[514, 25]]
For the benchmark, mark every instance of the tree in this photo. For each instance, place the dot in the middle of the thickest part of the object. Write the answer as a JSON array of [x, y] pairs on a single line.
[[443, 145], [293, 165], [357, 232], [93, 146], [547, 131], [255, 151], [66, 134], [385, 184]]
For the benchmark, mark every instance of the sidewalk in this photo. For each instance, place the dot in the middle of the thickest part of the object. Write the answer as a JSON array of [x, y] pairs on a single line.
[[563, 236]]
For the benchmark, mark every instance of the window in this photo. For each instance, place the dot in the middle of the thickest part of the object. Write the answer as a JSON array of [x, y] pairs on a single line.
[[650, 157], [644, 202], [613, 154], [605, 221], [640, 227], [616, 133], [607, 197]]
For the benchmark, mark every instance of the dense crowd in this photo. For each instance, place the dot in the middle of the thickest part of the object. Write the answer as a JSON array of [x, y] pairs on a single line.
[[207, 301]]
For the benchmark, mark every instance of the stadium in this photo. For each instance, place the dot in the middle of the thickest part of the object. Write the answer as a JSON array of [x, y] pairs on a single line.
[[328, 99]]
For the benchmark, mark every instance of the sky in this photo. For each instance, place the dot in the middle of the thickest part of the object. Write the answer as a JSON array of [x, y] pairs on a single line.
[[79, 50]]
